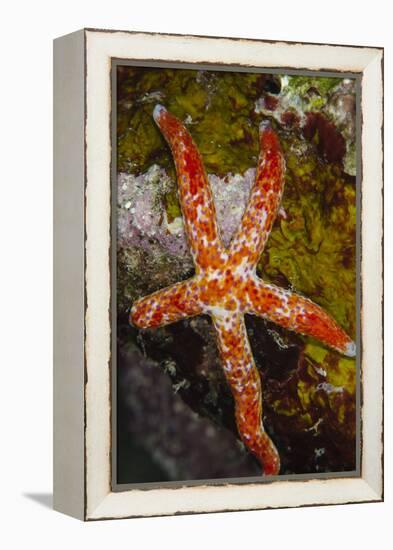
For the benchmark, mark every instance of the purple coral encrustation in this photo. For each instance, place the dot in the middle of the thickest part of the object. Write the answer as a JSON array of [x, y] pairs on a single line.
[[142, 219]]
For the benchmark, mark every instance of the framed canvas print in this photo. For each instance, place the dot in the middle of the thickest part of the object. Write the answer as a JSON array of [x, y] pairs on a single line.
[[218, 274]]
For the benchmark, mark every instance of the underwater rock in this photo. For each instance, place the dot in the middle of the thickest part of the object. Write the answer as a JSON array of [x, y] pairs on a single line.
[[182, 444]]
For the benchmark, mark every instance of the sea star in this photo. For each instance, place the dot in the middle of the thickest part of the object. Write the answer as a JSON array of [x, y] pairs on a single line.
[[225, 285]]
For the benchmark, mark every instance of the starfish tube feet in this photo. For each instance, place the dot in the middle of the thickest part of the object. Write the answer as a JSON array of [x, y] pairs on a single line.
[[350, 350], [158, 110]]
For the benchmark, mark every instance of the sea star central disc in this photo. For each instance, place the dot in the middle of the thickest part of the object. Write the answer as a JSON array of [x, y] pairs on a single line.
[[225, 285]]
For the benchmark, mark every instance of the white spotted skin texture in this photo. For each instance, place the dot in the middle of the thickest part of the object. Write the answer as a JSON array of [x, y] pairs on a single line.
[[225, 285]]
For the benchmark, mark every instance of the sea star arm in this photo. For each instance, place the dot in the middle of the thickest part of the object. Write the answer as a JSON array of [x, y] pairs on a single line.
[[299, 314], [168, 305], [195, 195], [245, 383], [264, 201]]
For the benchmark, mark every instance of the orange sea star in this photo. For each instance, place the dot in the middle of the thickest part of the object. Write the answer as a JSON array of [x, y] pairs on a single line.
[[225, 284]]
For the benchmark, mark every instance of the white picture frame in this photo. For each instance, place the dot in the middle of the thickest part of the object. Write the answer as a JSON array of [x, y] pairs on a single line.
[[82, 241]]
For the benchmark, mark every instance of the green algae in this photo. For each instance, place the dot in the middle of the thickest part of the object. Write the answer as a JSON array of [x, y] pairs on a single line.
[[217, 109], [313, 250], [172, 206], [315, 352], [313, 90]]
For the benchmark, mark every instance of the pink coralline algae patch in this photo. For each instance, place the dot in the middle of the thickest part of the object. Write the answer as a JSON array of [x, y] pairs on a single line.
[[231, 196], [225, 285], [142, 219]]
